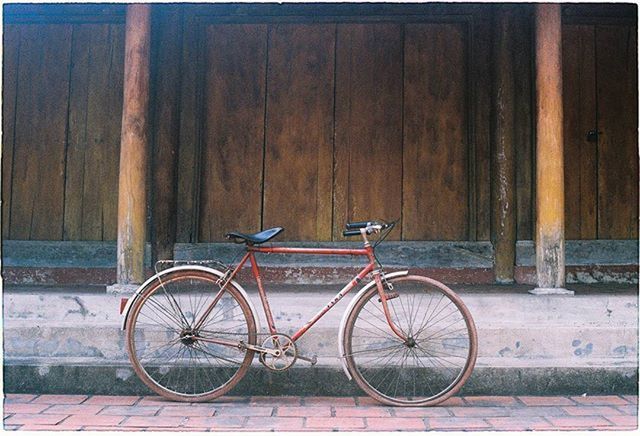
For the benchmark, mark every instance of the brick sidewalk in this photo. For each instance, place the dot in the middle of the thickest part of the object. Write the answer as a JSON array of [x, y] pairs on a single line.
[[81, 412]]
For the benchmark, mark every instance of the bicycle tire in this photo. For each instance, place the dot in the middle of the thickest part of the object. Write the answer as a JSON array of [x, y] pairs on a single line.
[[424, 372], [181, 368]]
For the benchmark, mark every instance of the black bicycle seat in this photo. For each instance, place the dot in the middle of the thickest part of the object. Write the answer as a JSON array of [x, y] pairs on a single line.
[[254, 238]]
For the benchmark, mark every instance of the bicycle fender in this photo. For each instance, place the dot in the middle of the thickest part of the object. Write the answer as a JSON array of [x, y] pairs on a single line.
[[127, 308], [352, 303]]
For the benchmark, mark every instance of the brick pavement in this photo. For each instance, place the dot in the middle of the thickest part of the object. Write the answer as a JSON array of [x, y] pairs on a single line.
[[82, 412]]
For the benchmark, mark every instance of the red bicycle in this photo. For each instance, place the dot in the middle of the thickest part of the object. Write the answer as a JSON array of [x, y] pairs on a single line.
[[406, 340]]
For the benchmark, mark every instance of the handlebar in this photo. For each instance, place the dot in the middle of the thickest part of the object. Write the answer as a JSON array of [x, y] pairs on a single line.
[[358, 225], [354, 228]]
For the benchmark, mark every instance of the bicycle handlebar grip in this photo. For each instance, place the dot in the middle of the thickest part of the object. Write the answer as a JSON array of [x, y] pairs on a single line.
[[351, 233], [358, 225]]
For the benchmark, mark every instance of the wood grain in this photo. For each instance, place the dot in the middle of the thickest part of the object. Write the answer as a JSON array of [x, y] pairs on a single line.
[[10, 61], [480, 170], [435, 193], [40, 132], [190, 111], [166, 63], [95, 112], [503, 169], [523, 125], [368, 126], [299, 141], [233, 140], [132, 186], [617, 94], [579, 101]]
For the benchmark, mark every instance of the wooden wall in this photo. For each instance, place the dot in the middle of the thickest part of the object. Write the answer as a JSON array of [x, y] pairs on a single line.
[[291, 118], [307, 124], [62, 104]]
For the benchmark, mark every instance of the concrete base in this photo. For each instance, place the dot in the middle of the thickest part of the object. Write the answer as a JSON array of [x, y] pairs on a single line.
[[303, 379], [68, 340], [551, 291]]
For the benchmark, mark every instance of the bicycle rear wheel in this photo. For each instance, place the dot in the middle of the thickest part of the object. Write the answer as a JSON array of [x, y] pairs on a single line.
[[435, 360], [162, 338]]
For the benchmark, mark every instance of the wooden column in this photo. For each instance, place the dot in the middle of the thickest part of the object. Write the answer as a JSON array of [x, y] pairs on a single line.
[[503, 156], [550, 261], [167, 48], [132, 194]]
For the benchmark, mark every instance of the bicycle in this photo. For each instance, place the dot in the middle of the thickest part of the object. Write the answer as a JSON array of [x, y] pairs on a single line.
[[407, 340]]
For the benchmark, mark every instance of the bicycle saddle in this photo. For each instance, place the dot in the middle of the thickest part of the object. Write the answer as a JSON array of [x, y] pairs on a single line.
[[254, 238]]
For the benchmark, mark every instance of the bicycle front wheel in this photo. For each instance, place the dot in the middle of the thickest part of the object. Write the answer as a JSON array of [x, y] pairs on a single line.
[[436, 358], [167, 331]]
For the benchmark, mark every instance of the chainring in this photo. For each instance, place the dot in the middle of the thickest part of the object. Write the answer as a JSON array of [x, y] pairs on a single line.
[[287, 356]]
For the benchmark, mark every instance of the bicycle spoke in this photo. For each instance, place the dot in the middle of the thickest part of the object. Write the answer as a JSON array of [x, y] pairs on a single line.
[[167, 354], [419, 370]]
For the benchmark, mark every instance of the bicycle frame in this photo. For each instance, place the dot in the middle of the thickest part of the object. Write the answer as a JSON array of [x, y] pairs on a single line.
[[255, 269]]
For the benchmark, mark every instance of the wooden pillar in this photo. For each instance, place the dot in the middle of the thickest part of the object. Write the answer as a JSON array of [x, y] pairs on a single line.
[[503, 156], [550, 261], [167, 49], [132, 194]]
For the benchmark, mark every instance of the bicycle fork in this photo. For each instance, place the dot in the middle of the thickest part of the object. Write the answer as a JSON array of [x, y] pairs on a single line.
[[383, 298]]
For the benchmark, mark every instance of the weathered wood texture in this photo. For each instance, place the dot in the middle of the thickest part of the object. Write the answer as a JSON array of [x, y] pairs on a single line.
[[600, 95], [232, 157], [550, 256], [503, 140], [61, 120], [368, 141], [435, 182], [10, 62], [132, 186], [299, 132], [480, 92], [37, 201], [580, 165], [524, 113], [166, 66], [95, 114], [439, 63], [617, 94]]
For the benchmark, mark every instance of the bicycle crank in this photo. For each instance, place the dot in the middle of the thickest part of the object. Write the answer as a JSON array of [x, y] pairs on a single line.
[[280, 352]]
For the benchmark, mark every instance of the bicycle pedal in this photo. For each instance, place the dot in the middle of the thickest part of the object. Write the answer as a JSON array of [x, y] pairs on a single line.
[[389, 295], [312, 360]]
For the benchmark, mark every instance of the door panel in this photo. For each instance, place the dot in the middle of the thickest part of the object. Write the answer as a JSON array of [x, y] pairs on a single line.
[[37, 203], [435, 179], [368, 148], [617, 93], [600, 95], [579, 99], [299, 131], [231, 185]]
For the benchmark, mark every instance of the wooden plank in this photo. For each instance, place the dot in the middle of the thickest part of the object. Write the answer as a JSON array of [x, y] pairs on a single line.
[[368, 125], [617, 94], [40, 135], [435, 194], [188, 146], [10, 61], [233, 139], [481, 89], [95, 113], [579, 103], [299, 141], [166, 37], [503, 232], [523, 125]]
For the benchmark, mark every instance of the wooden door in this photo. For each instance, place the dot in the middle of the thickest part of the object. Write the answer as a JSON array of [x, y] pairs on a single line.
[[600, 129], [310, 125]]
